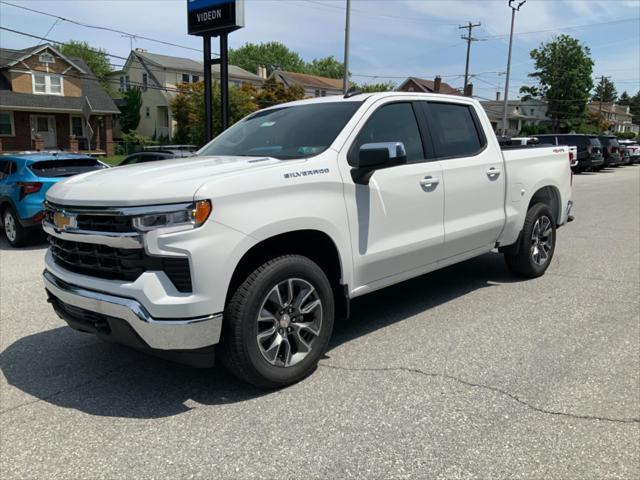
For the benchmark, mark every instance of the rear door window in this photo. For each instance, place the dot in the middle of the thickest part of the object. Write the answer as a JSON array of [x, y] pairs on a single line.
[[454, 130], [65, 168]]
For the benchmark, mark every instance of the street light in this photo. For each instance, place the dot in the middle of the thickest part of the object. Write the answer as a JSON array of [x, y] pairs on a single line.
[[347, 29], [514, 9]]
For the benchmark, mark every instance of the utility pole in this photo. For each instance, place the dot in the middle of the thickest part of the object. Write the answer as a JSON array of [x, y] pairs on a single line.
[[345, 80], [470, 26], [514, 9]]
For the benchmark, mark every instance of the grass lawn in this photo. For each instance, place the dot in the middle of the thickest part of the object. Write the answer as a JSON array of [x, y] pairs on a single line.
[[114, 160]]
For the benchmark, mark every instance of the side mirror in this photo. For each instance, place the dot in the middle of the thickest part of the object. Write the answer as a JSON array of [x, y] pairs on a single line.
[[375, 156]]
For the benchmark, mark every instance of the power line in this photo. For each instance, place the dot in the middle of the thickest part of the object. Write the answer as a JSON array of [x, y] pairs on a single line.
[[503, 35], [367, 13], [99, 27]]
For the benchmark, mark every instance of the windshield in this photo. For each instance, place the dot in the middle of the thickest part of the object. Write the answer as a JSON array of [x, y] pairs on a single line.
[[65, 168], [287, 132]]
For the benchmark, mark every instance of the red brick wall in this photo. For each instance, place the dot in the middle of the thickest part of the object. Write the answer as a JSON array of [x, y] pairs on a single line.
[[22, 138]]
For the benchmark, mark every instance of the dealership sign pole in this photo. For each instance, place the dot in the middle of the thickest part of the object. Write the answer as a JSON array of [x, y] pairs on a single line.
[[215, 18]]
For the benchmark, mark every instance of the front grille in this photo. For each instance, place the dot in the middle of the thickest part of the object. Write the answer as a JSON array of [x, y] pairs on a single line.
[[99, 223], [105, 223], [118, 263]]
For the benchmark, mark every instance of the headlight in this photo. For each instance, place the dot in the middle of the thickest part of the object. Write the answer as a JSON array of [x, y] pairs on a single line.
[[193, 216]]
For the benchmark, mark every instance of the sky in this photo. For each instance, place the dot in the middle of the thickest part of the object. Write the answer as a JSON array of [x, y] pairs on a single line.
[[390, 39]]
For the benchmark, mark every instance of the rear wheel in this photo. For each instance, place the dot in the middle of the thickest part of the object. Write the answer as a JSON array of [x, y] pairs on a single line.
[[15, 233], [537, 243], [278, 322]]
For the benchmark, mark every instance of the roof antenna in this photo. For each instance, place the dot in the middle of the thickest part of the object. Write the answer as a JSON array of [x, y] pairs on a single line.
[[352, 92]]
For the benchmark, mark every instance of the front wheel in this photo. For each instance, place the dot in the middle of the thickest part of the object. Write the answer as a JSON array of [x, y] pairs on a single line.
[[537, 243], [278, 322]]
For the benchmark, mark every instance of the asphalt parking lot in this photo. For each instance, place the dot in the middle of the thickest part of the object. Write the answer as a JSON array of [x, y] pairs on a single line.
[[464, 373]]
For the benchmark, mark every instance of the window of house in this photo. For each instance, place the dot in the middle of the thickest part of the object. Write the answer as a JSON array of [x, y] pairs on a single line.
[[145, 82], [195, 78], [393, 123], [122, 83], [185, 78], [46, 58], [126, 87], [47, 84], [317, 93], [323, 93], [7, 128], [77, 127], [147, 112], [454, 130]]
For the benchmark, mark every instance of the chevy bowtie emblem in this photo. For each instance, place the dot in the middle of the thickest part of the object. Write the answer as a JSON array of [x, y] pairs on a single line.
[[63, 221]]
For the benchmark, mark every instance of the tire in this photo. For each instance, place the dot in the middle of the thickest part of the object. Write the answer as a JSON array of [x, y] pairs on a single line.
[[536, 249], [262, 305], [15, 233]]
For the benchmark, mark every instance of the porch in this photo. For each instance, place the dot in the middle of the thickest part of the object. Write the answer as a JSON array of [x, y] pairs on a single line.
[[41, 130]]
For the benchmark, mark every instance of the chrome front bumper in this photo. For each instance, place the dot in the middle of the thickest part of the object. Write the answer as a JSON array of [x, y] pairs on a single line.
[[159, 334]]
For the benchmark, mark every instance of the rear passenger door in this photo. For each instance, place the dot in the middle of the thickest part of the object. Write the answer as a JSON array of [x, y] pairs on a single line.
[[473, 175]]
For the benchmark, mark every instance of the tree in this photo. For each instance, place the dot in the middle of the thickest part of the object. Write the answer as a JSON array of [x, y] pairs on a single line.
[[188, 109], [563, 71], [605, 91], [325, 67], [273, 93], [130, 116], [624, 99], [96, 59], [634, 108], [273, 55], [376, 87]]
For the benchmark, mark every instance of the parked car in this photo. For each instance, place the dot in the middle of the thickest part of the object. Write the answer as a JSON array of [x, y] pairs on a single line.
[[589, 150], [633, 148], [610, 150], [289, 214], [24, 181], [152, 154]]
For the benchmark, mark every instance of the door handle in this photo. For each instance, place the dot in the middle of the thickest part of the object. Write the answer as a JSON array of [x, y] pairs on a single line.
[[493, 173], [429, 182]]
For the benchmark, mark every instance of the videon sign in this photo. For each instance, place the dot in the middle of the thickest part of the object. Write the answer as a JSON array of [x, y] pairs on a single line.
[[212, 17]]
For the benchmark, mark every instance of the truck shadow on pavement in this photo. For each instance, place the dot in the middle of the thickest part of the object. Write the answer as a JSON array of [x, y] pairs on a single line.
[[74, 370]]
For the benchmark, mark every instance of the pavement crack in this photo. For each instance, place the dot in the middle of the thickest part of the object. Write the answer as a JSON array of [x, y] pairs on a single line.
[[485, 387], [70, 389]]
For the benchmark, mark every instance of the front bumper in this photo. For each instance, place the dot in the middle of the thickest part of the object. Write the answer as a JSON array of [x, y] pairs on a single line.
[[104, 314]]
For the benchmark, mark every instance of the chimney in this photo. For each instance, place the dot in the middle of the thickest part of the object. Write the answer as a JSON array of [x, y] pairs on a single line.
[[262, 72], [497, 96], [436, 84], [141, 50], [469, 91]]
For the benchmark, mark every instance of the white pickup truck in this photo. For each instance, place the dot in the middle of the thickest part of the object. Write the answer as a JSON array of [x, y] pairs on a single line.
[[257, 244]]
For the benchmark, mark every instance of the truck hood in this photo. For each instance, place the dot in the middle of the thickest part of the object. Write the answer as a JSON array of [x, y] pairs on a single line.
[[164, 181]]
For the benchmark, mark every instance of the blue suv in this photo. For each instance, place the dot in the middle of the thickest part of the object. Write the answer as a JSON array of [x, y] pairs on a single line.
[[24, 181]]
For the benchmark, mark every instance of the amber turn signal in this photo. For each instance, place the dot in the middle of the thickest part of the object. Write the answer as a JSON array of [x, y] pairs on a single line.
[[201, 212]]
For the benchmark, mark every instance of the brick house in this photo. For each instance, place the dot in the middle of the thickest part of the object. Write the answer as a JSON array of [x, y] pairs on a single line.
[[415, 84], [45, 98]]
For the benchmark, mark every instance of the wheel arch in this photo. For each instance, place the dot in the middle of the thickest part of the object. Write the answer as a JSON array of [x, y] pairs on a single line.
[[316, 245], [549, 195]]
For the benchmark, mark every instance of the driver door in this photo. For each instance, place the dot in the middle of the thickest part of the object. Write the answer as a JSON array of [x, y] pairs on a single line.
[[397, 220]]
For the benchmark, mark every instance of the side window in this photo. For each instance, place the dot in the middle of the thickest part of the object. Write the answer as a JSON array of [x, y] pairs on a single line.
[[393, 123], [454, 130]]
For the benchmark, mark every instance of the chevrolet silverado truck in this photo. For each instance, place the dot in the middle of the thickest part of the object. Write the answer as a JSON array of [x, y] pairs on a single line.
[[253, 248]]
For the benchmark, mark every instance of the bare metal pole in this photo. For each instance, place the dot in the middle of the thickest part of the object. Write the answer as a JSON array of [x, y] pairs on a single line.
[[514, 9], [345, 80]]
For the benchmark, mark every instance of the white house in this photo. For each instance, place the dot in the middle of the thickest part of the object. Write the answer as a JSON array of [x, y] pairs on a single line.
[[158, 76]]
